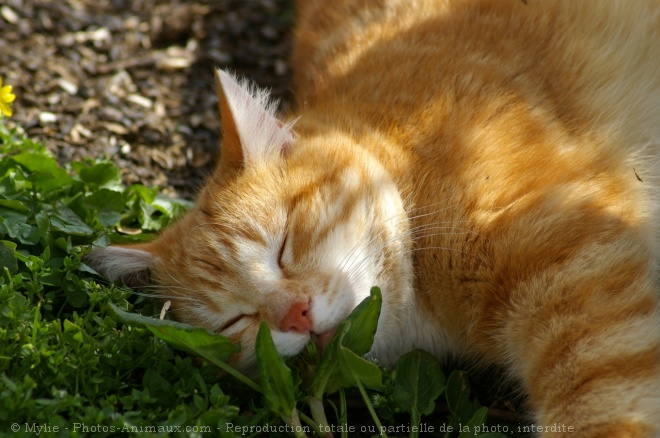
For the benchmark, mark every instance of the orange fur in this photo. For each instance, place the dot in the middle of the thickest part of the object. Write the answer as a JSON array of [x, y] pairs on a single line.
[[492, 164]]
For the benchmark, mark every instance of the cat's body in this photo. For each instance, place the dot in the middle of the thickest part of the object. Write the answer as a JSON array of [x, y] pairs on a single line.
[[491, 165]]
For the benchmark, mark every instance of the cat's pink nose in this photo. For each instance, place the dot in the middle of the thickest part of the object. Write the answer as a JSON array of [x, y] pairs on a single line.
[[297, 319]]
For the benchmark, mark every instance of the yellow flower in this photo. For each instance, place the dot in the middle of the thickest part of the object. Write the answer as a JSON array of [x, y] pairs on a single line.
[[6, 98]]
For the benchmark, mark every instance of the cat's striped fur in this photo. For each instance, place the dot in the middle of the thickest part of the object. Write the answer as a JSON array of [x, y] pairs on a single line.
[[492, 165]]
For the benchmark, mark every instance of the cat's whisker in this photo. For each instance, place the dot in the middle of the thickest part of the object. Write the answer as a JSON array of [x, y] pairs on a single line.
[[412, 231], [406, 216], [360, 247], [352, 252], [161, 295], [154, 287], [415, 232], [194, 292], [359, 269]]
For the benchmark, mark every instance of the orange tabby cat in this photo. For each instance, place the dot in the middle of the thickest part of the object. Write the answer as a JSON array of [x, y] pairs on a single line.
[[492, 165]]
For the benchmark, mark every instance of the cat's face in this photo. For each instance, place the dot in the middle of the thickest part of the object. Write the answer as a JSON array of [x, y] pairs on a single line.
[[294, 231]]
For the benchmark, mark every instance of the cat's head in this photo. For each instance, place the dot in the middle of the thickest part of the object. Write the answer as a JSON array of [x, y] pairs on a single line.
[[291, 230]]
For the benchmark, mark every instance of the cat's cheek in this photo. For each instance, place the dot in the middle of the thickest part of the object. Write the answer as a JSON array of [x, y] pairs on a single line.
[[330, 308], [289, 343], [329, 312]]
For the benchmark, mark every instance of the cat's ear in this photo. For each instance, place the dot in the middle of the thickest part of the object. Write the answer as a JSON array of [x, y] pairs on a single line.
[[251, 132], [128, 264]]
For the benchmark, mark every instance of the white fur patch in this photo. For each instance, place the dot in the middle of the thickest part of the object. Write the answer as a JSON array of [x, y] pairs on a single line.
[[262, 135], [118, 263]]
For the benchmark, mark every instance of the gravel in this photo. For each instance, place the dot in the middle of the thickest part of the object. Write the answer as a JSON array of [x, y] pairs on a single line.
[[133, 80]]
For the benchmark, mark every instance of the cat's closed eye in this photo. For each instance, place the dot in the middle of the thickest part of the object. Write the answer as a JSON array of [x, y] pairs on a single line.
[[208, 264], [280, 256], [229, 323]]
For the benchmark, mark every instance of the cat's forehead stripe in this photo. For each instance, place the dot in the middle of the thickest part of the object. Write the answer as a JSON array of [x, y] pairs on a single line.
[[309, 230]]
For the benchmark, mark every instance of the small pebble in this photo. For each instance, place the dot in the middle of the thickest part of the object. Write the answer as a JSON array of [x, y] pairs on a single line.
[[140, 100], [47, 117], [9, 14], [67, 86]]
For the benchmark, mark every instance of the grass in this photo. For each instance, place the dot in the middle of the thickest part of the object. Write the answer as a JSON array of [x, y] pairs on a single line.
[[79, 357]]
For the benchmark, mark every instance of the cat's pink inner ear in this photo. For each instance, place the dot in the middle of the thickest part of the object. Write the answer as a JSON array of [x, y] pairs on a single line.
[[231, 154], [127, 264], [249, 122]]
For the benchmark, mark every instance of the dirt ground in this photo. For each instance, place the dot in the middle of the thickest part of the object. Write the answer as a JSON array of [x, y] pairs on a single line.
[[132, 80]]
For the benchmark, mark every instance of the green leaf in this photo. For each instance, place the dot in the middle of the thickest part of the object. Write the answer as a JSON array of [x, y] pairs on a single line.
[[418, 382], [367, 372], [356, 333], [171, 207], [16, 225], [158, 386], [45, 173], [457, 393], [76, 297], [105, 199], [274, 375], [65, 220], [74, 330], [7, 257], [43, 223], [108, 206], [364, 322], [144, 193], [102, 175], [193, 340], [476, 423], [13, 204]]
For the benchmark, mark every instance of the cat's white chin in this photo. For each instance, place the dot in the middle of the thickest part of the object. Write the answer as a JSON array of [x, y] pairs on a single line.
[[290, 343]]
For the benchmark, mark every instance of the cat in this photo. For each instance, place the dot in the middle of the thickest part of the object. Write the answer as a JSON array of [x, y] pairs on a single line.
[[491, 165]]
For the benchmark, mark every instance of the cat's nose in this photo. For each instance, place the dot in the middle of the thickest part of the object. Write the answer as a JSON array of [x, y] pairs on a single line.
[[297, 318]]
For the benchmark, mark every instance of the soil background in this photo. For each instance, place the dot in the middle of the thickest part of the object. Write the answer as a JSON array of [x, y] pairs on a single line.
[[132, 80]]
